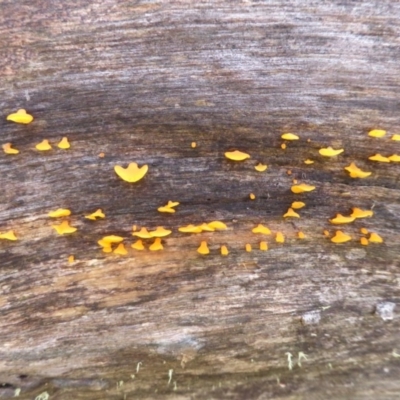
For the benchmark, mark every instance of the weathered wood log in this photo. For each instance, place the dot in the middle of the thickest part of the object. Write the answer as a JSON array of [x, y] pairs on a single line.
[[140, 81]]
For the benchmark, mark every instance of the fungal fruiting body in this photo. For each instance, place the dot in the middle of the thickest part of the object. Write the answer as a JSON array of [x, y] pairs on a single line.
[[71, 259], [44, 145], [156, 245], [356, 172], [193, 145], [132, 173], [326, 233], [160, 232], [9, 235], [111, 239], [143, 234], [138, 245], [380, 158], [301, 235], [20, 117], [364, 241], [203, 249], [224, 251], [60, 212], [252, 196], [261, 167], [329, 152], [190, 229], [340, 237], [248, 247], [97, 214], [169, 208], [8, 149], [340, 219], [291, 213], [289, 136], [308, 161], [364, 231], [237, 155], [377, 133], [298, 204], [375, 238], [261, 229], [394, 158], [283, 146], [64, 228], [263, 246], [64, 144], [359, 213], [217, 225], [121, 250], [396, 137], [206, 228], [302, 188], [279, 238]]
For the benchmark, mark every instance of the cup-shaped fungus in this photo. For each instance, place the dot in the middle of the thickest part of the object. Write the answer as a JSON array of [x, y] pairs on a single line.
[[375, 238], [380, 158], [329, 152], [160, 232], [217, 225], [20, 117], [64, 228], [291, 213], [203, 248], [97, 214], [143, 234], [190, 229], [340, 237], [60, 212], [279, 238], [44, 145], [263, 246], [9, 235], [261, 167], [302, 188], [156, 245], [261, 229], [224, 251], [289, 136], [138, 245], [359, 213], [341, 219], [132, 173], [237, 155], [64, 144], [356, 172], [377, 133], [297, 205], [7, 148], [121, 250]]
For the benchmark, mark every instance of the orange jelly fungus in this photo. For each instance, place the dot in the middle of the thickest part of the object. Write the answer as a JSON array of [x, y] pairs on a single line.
[[121, 250], [112, 239], [248, 247], [364, 231], [340, 237], [364, 241], [64, 228], [237, 155], [224, 251], [298, 204], [64, 144], [156, 245], [396, 137], [160, 232], [291, 213], [358, 213], [261, 167], [252, 196], [302, 188], [203, 249], [289, 136], [20, 117], [289, 172], [329, 152], [8, 149], [61, 212], [340, 219], [283, 146], [138, 245], [394, 158], [261, 229], [143, 234], [193, 145], [205, 228], [377, 133], [308, 161], [190, 229], [263, 246], [71, 259], [132, 173], [301, 235], [44, 145], [97, 214], [279, 238], [326, 233], [9, 235], [356, 172], [217, 225], [101, 155], [380, 158], [375, 238]]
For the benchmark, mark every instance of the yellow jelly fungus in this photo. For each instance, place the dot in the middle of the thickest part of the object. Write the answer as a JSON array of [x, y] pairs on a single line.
[[364, 241], [394, 158], [378, 157], [112, 239], [279, 238], [61, 212], [289, 136], [156, 245], [340, 237], [8, 149], [193, 145], [356, 172], [364, 231], [263, 246], [132, 173], [217, 225], [190, 229], [203, 249], [204, 227], [103, 243], [172, 203], [297, 205], [9, 235], [252, 196], [64, 144], [64, 228], [302, 188], [71, 259], [44, 145], [107, 249], [138, 245], [358, 213], [224, 251], [237, 155], [340, 219], [97, 214], [301, 235], [143, 234], [308, 161], [160, 232], [261, 167], [20, 117], [377, 133], [375, 238], [329, 152], [261, 229], [283, 146], [326, 233], [121, 250], [166, 209], [291, 213], [396, 137], [248, 247]]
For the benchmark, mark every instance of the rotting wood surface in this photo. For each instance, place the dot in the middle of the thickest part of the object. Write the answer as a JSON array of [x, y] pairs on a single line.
[[140, 81]]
